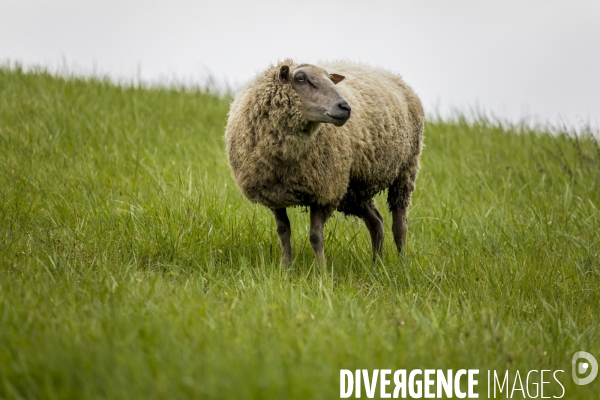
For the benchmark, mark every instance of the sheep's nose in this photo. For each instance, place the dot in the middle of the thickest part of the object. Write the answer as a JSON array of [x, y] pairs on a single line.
[[340, 112], [343, 104]]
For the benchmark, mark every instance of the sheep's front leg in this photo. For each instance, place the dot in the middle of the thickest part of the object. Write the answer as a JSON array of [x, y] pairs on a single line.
[[318, 217], [284, 231]]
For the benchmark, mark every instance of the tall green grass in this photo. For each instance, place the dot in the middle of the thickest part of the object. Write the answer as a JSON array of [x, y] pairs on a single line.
[[132, 267]]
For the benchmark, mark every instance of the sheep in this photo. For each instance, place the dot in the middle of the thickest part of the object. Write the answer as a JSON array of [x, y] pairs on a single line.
[[328, 137]]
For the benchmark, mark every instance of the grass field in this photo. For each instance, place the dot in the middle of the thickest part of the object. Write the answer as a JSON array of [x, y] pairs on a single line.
[[131, 267]]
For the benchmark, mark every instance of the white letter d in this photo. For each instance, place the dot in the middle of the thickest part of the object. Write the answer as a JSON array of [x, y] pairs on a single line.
[[346, 390]]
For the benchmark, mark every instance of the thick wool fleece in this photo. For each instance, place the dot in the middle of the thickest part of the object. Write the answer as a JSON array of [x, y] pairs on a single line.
[[279, 159]]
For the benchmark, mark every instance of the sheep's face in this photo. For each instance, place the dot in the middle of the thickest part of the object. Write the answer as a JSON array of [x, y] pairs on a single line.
[[321, 100]]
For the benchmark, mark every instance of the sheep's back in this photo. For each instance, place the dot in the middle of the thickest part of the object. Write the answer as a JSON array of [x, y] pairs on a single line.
[[385, 129]]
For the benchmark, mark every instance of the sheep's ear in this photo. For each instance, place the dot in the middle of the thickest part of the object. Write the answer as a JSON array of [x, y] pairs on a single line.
[[284, 74], [335, 78]]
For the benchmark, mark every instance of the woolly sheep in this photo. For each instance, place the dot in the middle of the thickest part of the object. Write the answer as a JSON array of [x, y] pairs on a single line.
[[291, 142]]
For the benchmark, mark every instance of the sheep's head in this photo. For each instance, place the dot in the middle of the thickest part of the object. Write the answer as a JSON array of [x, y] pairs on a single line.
[[321, 100]]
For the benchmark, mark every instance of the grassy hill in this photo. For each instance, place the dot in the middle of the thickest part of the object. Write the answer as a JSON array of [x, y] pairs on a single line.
[[132, 267]]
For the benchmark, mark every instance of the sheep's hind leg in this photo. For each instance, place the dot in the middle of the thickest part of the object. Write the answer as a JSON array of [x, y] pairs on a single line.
[[399, 228], [284, 231], [318, 217], [398, 200], [374, 222]]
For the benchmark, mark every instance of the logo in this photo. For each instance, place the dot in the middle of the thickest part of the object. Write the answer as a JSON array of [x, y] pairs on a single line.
[[580, 368]]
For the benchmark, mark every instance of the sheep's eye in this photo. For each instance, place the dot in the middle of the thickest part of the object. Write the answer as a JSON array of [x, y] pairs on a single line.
[[300, 78]]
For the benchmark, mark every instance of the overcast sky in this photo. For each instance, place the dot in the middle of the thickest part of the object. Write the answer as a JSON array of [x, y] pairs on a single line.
[[536, 59]]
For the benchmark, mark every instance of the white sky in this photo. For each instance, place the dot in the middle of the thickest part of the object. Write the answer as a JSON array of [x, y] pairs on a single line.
[[514, 58]]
